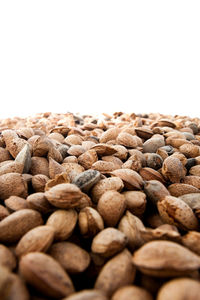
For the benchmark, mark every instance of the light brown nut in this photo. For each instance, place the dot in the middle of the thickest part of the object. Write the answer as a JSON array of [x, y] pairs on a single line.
[[14, 146], [63, 223], [155, 190], [107, 184], [88, 158], [195, 170], [39, 165], [176, 212], [179, 189], [54, 282], [72, 258], [85, 201], [176, 142], [151, 174], [108, 242], [173, 169], [120, 264], [3, 212], [13, 227], [111, 207], [110, 134], [189, 150], [11, 167], [151, 145], [180, 156], [87, 145], [178, 289], [164, 123], [12, 184], [191, 240], [38, 239], [59, 178], [55, 168], [14, 203], [24, 158], [144, 132], [162, 232], [115, 160], [4, 155], [165, 259], [56, 136], [76, 150], [38, 182], [127, 140], [192, 180], [87, 179], [121, 152], [73, 169], [131, 179], [104, 166], [135, 202], [64, 195], [7, 258], [73, 139], [131, 292], [70, 159], [90, 222], [87, 295], [135, 165], [41, 146], [193, 200], [131, 226], [39, 202]]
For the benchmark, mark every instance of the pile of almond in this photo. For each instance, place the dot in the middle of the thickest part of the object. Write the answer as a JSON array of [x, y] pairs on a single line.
[[100, 208]]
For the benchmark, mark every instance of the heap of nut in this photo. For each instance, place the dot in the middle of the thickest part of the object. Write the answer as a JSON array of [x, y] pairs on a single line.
[[100, 209]]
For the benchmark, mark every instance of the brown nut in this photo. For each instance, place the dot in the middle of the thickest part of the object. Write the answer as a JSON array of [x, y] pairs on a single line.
[[135, 202], [12, 184], [131, 292], [90, 222], [131, 179], [155, 190], [173, 169]]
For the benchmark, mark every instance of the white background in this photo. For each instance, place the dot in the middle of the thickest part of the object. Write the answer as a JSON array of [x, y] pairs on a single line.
[[99, 56]]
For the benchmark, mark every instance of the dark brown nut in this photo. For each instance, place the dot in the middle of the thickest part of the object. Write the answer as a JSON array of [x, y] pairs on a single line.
[[104, 149], [54, 282], [14, 203], [39, 165], [7, 258], [127, 140], [173, 169], [55, 168], [88, 158], [131, 292], [120, 264], [38, 239], [180, 288], [153, 160], [87, 179], [38, 182], [192, 180], [85, 201], [165, 259], [12, 184], [63, 150], [64, 195], [87, 295], [179, 189], [191, 240], [152, 144], [110, 134], [63, 223], [164, 123], [108, 242], [151, 174], [189, 150], [3, 212], [111, 207], [107, 184], [90, 222], [71, 257], [135, 202], [24, 158], [131, 179], [155, 190], [131, 226], [39, 202], [154, 220], [176, 212], [195, 170], [144, 132], [13, 227]]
